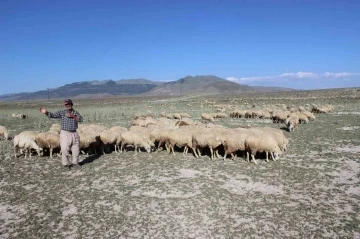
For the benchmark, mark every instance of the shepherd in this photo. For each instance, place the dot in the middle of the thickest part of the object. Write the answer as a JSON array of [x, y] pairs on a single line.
[[69, 137]]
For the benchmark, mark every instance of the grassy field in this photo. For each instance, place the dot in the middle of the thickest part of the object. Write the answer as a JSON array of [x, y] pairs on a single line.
[[313, 191]]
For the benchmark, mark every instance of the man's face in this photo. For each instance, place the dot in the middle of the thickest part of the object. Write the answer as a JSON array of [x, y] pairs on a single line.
[[68, 107]]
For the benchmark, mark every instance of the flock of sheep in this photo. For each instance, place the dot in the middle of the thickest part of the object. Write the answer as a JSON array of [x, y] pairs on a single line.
[[176, 130]]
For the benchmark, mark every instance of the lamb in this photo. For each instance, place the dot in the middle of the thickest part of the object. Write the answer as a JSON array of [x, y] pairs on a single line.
[[137, 140], [262, 142], [207, 117], [26, 143], [48, 140], [292, 123], [4, 132]]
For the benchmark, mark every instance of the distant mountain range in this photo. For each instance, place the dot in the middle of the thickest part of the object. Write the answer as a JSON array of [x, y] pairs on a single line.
[[189, 85]]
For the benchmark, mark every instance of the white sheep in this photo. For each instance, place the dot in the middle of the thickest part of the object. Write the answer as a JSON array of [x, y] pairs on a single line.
[[47, 140], [25, 143], [262, 142], [184, 115], [292, 123], [137, 140], [109, 137], [31, 134], [177, 116], [206, 138], [4, 132], [278, 135], [235, 141], [207, 117], [181, 138], [89, 141]]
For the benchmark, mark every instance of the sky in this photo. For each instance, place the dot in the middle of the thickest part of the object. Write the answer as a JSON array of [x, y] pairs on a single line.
[[297, 44]]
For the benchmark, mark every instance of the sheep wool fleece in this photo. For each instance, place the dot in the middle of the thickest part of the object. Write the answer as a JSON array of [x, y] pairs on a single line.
[[69, 140]]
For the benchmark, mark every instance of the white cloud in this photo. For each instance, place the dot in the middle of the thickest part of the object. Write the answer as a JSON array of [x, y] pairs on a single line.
[[293, 76]]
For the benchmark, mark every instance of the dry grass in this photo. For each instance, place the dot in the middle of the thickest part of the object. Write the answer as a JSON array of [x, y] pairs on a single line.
[[312, 192]]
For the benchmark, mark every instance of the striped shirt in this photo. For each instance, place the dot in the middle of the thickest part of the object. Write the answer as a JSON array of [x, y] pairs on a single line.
[[68, 124]]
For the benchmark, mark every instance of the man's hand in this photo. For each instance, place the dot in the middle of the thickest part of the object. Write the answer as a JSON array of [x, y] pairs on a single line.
[[43, 110], [71, 115]]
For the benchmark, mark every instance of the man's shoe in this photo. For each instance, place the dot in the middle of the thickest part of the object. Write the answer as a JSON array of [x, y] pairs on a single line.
[[66, 168], [76, 166]]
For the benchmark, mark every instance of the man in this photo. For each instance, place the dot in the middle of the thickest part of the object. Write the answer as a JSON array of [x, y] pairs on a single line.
[[69, 137]]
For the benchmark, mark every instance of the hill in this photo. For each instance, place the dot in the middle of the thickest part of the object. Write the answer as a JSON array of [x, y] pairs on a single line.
[[189, 85]]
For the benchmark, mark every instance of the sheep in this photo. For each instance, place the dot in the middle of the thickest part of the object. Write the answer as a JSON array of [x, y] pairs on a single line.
[[4, 132], [181, 138], [89, 141], [31, 134], [177, 116], [309, 115], [207, 117], [109, 137], [137, 140], [206, 138], [278, 135], [262, 142], [292, 123], [221, 115], [184, 115], [163, 114], [48, 140], [19, 116], [302, 118], [280, 117], [143, 121], [26, 143], [55, 128], [235, 141]]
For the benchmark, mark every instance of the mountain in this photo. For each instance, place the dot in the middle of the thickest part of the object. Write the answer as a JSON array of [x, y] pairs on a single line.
[[90, 89], [205, 84]]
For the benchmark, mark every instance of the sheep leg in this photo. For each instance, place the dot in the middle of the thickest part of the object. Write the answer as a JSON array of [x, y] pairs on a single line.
[[199, 153], [194, 150], [121, 147], [253, 158], [211, 153], [185, 150], [51, 152], [267, 160], [135, 149], [172, 148], [115, 148], [225, 154], [217, 153], [247, 156], [272, 155], [15, 151], [232, 156]]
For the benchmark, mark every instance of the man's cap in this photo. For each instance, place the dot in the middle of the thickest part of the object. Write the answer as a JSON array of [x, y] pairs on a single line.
[[68, 102]]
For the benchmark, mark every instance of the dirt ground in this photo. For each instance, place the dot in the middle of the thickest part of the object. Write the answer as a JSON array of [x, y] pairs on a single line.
[[313, 191]]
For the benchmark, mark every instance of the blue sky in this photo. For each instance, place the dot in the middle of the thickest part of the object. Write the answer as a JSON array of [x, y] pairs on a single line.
[[297, 44]]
